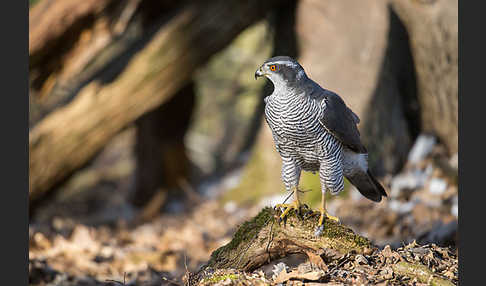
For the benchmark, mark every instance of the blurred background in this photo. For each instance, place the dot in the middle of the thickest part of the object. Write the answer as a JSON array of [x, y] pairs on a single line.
[[148, 145]]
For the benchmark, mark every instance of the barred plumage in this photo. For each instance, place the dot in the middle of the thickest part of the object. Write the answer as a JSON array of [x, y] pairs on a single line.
[[314, 130], [302, 142]]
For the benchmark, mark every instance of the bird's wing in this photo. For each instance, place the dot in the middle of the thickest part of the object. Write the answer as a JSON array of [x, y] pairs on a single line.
[[340, 121]]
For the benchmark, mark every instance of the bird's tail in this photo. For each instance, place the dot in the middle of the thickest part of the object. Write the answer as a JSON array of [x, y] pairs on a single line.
[[367, 185]]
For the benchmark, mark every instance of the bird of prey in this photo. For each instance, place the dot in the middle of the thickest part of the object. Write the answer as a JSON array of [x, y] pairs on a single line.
[[314, 130]]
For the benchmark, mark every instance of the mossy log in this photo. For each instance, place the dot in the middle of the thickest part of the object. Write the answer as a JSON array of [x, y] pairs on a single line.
[[263, 238], [421, 272]]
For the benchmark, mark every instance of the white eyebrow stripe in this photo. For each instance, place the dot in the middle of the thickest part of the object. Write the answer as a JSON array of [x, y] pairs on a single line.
[[287, 63]]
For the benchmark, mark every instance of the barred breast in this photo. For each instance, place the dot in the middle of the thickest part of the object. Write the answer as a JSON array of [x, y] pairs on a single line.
[[298, 134]]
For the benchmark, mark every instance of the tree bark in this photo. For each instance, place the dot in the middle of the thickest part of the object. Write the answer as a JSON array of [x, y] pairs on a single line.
[[356, 52], [71, 135], [264, 157], [71, 43], [391, 120], [50, 19], [433, 30], [60, 33], [263, 239], [161, 155]]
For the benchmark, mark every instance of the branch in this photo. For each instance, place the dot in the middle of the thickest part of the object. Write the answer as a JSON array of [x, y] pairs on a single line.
[[70, 136]]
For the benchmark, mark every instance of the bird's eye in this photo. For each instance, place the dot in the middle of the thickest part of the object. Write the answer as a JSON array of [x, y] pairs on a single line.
[[273, 67]]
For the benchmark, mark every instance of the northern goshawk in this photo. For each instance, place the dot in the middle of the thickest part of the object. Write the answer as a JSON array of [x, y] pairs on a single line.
[[314, 130]]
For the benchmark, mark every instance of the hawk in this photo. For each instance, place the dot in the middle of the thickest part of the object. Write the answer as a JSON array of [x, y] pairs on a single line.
[[315, 131]]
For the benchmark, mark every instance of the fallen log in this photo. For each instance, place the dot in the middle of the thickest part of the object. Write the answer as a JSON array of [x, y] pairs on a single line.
[[63, 37], [421, 272], [68, 137], [263, 239], [71, 43], [50, 19]]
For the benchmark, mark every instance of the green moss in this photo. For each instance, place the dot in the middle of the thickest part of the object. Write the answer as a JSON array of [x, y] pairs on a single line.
[[32, 3], [333, 230], [421, 272], [361, 241], [217, 278], [246, 231], [334, 235]]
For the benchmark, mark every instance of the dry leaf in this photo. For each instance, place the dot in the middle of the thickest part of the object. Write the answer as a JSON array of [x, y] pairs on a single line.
[[316, 260], [283, 276]]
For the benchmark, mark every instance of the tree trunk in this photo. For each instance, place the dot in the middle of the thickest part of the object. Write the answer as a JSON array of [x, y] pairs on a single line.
[[355, 53], [262, 172], [391, 120], [433, 29], [71, 135], [161, 155]]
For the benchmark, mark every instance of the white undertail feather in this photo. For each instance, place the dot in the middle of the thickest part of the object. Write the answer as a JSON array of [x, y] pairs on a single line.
[[353, 162]]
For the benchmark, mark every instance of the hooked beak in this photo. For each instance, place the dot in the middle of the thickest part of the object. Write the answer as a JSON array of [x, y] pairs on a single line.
[[258, 73]]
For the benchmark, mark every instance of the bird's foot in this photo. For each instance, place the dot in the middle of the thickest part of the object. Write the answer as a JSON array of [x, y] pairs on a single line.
[[324, 213], [295, 205], [320, 225]]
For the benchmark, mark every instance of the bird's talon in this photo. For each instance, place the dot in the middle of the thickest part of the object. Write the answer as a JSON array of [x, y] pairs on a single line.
[[333, 218], [319, 230], [287, 208], [325, 214], [309, 213]]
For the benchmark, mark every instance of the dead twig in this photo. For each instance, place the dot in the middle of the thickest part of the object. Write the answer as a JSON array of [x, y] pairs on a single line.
[[118, 282]]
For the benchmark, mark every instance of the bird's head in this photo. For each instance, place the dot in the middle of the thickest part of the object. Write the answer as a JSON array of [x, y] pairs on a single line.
[[281, 71]]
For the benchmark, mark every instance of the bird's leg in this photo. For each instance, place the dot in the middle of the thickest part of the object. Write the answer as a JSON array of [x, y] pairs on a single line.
[[332, 180], [290, 177], [324, 212], [295, 204]]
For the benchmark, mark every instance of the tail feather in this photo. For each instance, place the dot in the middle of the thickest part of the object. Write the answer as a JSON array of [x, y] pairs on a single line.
[[367, 185]]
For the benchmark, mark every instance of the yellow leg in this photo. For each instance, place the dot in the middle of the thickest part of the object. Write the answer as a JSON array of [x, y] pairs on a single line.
[[293, 205], [324, 212]]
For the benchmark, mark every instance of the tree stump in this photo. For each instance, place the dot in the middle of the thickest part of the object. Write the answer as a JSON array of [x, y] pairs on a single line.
[[263, 238]]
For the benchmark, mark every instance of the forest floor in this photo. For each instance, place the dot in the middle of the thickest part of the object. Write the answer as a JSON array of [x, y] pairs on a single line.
[[417, 222]]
